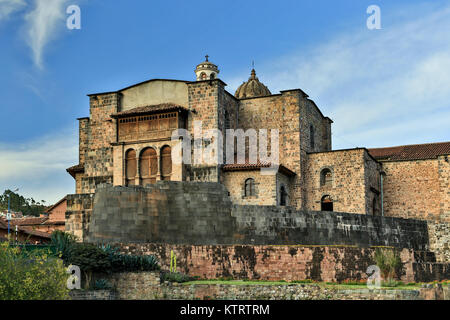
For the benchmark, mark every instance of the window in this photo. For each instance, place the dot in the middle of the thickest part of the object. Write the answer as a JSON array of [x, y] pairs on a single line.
[[283, 196], [203, 76], [311, 136], [166, 163], [249, 189], [148, 166], [326, 204], [212, 76], [130, 167], [326, 178]]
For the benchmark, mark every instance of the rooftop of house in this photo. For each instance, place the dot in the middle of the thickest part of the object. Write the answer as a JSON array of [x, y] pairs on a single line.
[[411, 152]]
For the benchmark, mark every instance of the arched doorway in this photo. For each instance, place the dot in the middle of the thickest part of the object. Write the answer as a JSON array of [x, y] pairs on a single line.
[[130, 167], [148, 166], [326, 204], [166, 162]]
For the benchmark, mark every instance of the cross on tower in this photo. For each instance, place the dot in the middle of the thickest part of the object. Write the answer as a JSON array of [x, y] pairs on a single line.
[[206, 58]]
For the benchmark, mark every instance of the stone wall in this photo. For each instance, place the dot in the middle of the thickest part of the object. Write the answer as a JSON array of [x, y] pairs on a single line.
[[146, 286], [202, 214], [439, 234], [288, 263], [355, 180], [265, 187], [78, 214], [417, 189]]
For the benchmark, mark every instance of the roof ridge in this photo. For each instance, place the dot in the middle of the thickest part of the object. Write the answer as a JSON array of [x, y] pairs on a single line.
[[411, 145]]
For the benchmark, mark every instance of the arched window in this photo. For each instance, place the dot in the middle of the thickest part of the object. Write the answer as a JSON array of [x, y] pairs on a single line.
[[326, 178], [311, 136], [249, 189], [212, 76], [326, 204], [148, 166], [283, 196], [166, 163], [130, 167], [202, 76]]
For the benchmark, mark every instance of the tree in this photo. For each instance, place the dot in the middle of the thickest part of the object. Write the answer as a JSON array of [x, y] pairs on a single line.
[[18, 203]]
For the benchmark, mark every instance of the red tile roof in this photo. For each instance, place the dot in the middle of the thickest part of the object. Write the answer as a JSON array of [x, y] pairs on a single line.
[[27, 230], [411, 152], [149, 109], [255, 166], [28, 221]]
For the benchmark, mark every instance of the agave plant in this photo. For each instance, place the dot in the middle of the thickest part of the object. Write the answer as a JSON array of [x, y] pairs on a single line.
[[63, 242]]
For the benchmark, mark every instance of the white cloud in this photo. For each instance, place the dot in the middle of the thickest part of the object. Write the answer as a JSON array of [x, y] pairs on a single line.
[[7, 7], [381, 87], [38, 167], [43, 24]]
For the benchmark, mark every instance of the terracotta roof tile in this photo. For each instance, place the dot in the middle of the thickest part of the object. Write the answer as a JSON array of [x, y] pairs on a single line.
[[149, 109], [255, 166], [411, 152]]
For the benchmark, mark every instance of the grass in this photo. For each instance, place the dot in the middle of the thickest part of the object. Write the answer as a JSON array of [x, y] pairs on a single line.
[[331, 285]]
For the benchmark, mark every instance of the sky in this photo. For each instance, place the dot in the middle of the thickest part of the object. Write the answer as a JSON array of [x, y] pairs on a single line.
[[382, 87]]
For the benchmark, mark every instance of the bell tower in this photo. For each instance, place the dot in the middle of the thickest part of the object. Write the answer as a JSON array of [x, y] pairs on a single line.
[[206, 70]]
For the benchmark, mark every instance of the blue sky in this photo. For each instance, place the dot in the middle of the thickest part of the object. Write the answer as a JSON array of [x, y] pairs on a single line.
[[381, 87]]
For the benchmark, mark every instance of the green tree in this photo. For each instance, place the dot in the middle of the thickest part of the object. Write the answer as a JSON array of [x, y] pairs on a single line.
[[28, 206]]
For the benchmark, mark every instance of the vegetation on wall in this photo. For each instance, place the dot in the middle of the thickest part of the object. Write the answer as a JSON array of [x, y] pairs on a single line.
[[389, 263]]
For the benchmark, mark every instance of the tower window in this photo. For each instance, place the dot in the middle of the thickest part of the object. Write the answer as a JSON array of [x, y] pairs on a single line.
[[249, 188], [203, 76], [326, 178], [212, 76]]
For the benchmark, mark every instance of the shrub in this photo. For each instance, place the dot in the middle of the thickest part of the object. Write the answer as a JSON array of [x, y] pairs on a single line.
[[102, 284], [33, 275], [389, 263], [125, 262], [63, 242], [89, 258], [176, 277]]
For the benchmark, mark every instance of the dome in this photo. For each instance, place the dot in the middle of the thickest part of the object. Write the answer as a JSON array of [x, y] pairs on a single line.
[[252, 88], [206, 70]]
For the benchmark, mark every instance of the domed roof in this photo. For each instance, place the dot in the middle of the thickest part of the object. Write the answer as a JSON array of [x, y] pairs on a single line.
[[207, 65], [252, 88]]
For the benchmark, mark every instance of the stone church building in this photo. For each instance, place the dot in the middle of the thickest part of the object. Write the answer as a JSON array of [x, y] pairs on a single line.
[[126, 140]]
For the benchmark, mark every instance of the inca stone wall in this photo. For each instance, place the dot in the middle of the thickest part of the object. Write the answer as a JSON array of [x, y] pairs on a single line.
[[287, 263], [202, 213], [78, 214]]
